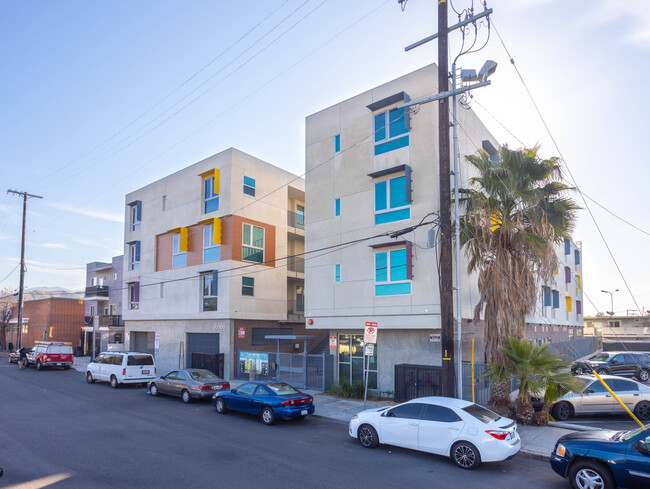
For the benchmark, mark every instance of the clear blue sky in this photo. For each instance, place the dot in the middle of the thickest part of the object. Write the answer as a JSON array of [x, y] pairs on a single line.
[[96, 102]]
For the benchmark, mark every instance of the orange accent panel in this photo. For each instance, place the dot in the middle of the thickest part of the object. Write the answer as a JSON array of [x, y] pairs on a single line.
[[164, 245]]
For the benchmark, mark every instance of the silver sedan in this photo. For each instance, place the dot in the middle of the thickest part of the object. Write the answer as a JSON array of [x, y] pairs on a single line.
[[595, 398], [189, 384]]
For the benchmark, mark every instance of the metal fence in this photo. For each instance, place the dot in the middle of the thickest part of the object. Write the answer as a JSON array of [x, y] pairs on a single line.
[[209, 361], [413, 381], [576, 348], [315, 371]]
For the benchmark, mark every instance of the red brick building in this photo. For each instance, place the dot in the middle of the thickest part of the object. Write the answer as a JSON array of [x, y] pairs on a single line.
[[51, 319]]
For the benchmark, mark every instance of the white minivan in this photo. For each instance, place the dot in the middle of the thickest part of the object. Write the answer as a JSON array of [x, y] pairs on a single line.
[[126, 367]]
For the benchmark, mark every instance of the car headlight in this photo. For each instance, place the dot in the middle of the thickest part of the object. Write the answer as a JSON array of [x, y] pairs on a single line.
[[560, 450]]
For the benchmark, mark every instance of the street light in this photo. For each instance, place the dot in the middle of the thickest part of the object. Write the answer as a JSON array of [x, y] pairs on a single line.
[[611, 296]]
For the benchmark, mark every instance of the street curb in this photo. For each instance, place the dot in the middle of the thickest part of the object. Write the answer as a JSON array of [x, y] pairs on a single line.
[[534, 455], [574, 427], [335, 420]]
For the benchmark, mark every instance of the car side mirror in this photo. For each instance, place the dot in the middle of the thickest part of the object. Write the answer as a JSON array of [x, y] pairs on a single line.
[[234, 391], [641, 446]]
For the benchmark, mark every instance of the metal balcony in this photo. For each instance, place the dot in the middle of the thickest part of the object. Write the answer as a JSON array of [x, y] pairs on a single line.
[[295, 220], [296, 310], [97, 291], [111, 320], [296, 264]]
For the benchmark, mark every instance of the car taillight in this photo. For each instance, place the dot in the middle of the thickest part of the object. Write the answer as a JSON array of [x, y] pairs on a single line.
[[294, 402], [226, 386], [154, 370], [123, 371], [499, 435], [203, 387]]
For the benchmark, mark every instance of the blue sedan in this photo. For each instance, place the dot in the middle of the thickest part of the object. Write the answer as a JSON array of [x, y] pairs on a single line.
[[604, 459], [269, 400]]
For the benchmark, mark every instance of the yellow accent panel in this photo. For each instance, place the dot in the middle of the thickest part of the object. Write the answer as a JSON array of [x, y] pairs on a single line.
[[184, 239], [579, 282], [216, 237], [216, 181], [495, 220], [174, 231], [557, 266], [569, 304]]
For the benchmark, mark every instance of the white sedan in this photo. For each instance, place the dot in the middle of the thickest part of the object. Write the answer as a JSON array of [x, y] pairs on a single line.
[[466, 432]]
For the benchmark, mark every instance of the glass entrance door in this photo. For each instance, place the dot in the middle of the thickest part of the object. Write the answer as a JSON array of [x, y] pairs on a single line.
[[351, 361]]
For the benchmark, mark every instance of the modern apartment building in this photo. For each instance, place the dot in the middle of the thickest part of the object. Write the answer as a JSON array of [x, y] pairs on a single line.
[[103, 308], [372, 170], [205, 268]]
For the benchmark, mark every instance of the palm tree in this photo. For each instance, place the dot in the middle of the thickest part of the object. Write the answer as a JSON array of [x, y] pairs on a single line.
[[516, 210], [539, 373]]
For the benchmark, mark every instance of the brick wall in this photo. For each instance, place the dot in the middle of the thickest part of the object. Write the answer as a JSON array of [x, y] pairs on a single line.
[[61, 319]]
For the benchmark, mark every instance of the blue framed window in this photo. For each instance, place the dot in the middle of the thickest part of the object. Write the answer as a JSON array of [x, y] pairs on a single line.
[[211, 251], [135, 214], [337, 207], [209, 289], [249, 186], [253, 243], [556, 299], [391, 202], [210, 197], [300, 216], [390, 130], [337, 273], [391, 273], [134, 255], [337, 143], [547, 295], [577, 256], [567, 246], [179, 258], [248, 286]]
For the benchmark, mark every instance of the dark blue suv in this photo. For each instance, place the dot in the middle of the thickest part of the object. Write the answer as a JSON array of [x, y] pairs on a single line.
[[604, 459]]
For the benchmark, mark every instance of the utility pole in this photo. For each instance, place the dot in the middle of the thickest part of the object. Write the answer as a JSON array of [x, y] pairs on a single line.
[[19, 334]]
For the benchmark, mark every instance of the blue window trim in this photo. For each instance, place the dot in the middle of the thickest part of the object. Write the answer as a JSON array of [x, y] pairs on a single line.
[[249, 186], [384, 124], [556, 299], [577, 257], [337, 273], [337, 207], [547, 296], [567, 246], [337, 143], [390, 286]]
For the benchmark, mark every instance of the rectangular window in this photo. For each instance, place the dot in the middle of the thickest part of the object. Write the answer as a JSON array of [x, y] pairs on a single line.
[[209, 291], [579, 308], [390, 130], [556, 299], [247, 286], [134, 255], [179, 258], [567, 275], [135, 212], [567, 246], [337, 143], [210, 196], [569, 304], [391, 202], [391, 275], [300, 215], [253, 243], [547, 295], [249, 186], [577, 256], [164, 202], [211, 251], [337, 273], [337, 207], [134, 295]]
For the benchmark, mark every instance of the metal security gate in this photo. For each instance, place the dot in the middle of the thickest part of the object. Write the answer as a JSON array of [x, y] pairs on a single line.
[[208, 361], [205, 343], [292, 368], [413, 381]]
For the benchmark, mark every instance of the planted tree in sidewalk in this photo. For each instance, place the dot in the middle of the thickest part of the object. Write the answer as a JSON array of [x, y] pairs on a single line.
[[7, 302], [516, 210], [538, 372]]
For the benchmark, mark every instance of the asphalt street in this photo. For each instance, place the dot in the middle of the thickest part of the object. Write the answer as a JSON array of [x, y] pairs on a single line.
[[92, 436]]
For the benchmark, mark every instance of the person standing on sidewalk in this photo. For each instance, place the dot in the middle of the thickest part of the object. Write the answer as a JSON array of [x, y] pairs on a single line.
[[22, 359]]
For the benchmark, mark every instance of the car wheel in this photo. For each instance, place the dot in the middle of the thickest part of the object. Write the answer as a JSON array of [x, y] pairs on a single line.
[[220, 405], [642, 410], [367, 436], [562, 411], [590, 475], [39, 365], [89, 378], [644, 375], [267, 415], [465, 455], [114, 383], [185, 395], [153, 390], [602, 371]]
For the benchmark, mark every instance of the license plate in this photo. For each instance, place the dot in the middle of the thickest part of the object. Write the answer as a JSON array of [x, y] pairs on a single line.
[[303, 412], [215, 387], [145, 371]]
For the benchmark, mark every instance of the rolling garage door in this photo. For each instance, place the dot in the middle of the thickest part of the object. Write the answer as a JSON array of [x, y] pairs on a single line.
[[142, 341], [203, 352]]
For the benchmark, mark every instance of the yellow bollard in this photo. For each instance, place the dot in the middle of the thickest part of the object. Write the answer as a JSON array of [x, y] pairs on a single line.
[[616, 397]]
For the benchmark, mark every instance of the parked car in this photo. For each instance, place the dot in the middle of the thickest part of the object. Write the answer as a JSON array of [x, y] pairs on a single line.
[[466, 432], [595, 398], [604, 459], [15, 355], [193, 383], [268, 399], [122, 368], [616, 363], [51, 354]]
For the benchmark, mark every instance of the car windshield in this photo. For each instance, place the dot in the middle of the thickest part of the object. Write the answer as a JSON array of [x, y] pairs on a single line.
[[600, 357], [482, 414], [205, 375], [631, 434], [583, 382], [282, 389]]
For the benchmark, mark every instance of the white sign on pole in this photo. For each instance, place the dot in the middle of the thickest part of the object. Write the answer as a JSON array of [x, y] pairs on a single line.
[[370, 349], [370, 334]]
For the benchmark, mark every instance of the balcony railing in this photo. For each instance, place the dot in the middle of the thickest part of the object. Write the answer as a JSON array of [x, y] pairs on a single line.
[[296, 310], [295, 220], [97, 291], [296, 264], [88, 320], [111, 320]]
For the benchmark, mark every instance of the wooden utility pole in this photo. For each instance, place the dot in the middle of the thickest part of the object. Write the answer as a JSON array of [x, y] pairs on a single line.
[[446, 281], [19, 335]]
